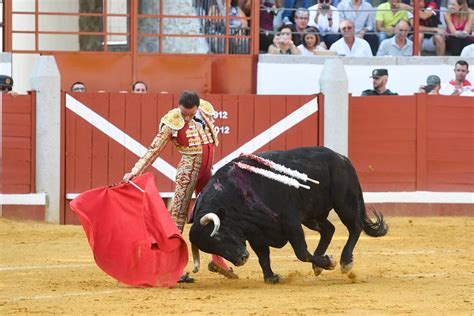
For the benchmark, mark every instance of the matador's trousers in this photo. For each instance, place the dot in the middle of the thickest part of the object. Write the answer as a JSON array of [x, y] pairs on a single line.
[[192, 174]]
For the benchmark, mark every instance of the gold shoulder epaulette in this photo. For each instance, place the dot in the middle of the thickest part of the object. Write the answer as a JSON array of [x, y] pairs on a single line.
[[173, 119], [206, 107]]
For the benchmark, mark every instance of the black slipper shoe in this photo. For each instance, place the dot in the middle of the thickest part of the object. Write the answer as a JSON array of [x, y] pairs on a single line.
[[186, 278]]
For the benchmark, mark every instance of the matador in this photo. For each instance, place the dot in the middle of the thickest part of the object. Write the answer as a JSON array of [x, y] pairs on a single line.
[[191, 129]]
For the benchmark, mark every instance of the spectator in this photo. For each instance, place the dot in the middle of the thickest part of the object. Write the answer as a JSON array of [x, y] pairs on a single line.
[[139, 87], [282, 43], [379, 81], [431, 36], [361, 13], [399, 45], [387, 16], [326, 18], [268, 10], [468, 51], [433, 85], [459, 84], [78, 87], [350, 45], [6, 84], [311, 42], [289, 5], [237, 15], [238, 19], [301, 24], [245, 6], [458, 26]]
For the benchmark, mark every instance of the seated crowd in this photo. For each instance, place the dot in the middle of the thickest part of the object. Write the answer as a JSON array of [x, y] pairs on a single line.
[[310, 44], [459, 86], [356, 28]]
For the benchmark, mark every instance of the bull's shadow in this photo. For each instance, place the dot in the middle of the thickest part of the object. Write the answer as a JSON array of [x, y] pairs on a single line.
[[239, 205]]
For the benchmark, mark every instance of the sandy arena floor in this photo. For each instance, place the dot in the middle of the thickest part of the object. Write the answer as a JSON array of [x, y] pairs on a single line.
[[424, 265]]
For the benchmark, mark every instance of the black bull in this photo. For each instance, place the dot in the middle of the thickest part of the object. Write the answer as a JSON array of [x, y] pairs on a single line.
[[238, 206]]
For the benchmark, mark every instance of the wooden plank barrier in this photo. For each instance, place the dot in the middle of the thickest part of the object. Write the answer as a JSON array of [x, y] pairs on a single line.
[[404, 143], [93, 159], [18, 163], [413, 143], [18, 143]]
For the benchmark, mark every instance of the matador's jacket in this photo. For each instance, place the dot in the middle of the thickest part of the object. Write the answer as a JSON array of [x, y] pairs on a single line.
[[195, 140]]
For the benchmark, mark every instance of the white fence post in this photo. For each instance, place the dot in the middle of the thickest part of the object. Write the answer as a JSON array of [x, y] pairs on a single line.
[[45, 79], [334, 85]]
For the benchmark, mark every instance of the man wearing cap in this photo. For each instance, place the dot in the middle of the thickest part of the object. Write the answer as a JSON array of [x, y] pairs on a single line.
[[6, 84], [379, 80], [433, 85]]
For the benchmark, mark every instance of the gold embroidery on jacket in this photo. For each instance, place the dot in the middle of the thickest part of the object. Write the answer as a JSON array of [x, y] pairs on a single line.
[[173, 119], [206, 107], [157, 145], [209, 120], [186, 178]]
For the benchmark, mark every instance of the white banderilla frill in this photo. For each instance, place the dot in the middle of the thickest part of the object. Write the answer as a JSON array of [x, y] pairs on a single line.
[[271, 175], [292, 173]]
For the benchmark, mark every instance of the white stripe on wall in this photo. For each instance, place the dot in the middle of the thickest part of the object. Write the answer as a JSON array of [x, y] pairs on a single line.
[[419, 197], [23, 199], [116, 134], [161, 165], [273, 132], [391, 197], [369, 197]]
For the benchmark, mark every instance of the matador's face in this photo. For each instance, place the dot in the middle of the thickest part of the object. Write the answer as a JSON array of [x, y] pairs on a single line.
[[188, 114]]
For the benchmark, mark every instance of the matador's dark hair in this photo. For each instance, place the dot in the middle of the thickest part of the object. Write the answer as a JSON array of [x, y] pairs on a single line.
[[189, 99]]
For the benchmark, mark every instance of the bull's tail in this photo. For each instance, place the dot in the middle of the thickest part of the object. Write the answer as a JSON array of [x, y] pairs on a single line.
[[374, 229]]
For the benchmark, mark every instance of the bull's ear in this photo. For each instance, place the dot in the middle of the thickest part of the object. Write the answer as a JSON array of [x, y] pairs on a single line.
[[221, 213]]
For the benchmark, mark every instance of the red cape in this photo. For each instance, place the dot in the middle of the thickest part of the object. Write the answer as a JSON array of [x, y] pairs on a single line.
[[131, 233]]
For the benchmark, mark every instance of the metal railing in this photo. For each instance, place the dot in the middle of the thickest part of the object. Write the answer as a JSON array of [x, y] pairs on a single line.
[[71, 27]]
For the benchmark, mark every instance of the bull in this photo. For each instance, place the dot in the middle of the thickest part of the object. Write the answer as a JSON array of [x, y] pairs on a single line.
[[238, 206]]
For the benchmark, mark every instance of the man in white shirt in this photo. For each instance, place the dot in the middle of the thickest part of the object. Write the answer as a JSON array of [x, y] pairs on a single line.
[[459, 85], [363, 15], [350, 45], [325, 17], [398, 45], [468, 51]]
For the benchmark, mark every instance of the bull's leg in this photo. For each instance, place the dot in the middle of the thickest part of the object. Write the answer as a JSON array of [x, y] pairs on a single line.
[[263, 254], [326, 229], [297, 241], [354, 228]]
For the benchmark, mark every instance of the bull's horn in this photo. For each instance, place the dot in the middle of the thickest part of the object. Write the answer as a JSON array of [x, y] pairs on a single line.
[[196, 260], [214, 218]]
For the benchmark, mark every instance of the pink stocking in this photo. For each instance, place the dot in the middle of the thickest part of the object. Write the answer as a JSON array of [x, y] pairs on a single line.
[[220, 262]]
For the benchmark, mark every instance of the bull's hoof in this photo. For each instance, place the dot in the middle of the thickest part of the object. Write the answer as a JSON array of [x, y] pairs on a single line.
[[213, 267], [317, 270], [345, 268], [274, 279], [332, 263]]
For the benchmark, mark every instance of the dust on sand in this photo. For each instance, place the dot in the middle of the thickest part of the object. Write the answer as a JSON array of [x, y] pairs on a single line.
[[424, 264]]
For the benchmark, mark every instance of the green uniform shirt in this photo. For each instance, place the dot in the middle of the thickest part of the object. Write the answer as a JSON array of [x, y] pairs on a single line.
[[373, 92]]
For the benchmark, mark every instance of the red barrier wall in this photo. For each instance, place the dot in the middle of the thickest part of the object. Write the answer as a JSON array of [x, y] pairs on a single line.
[[405, 143], [93, 159], [18, 143], [408, 143]]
